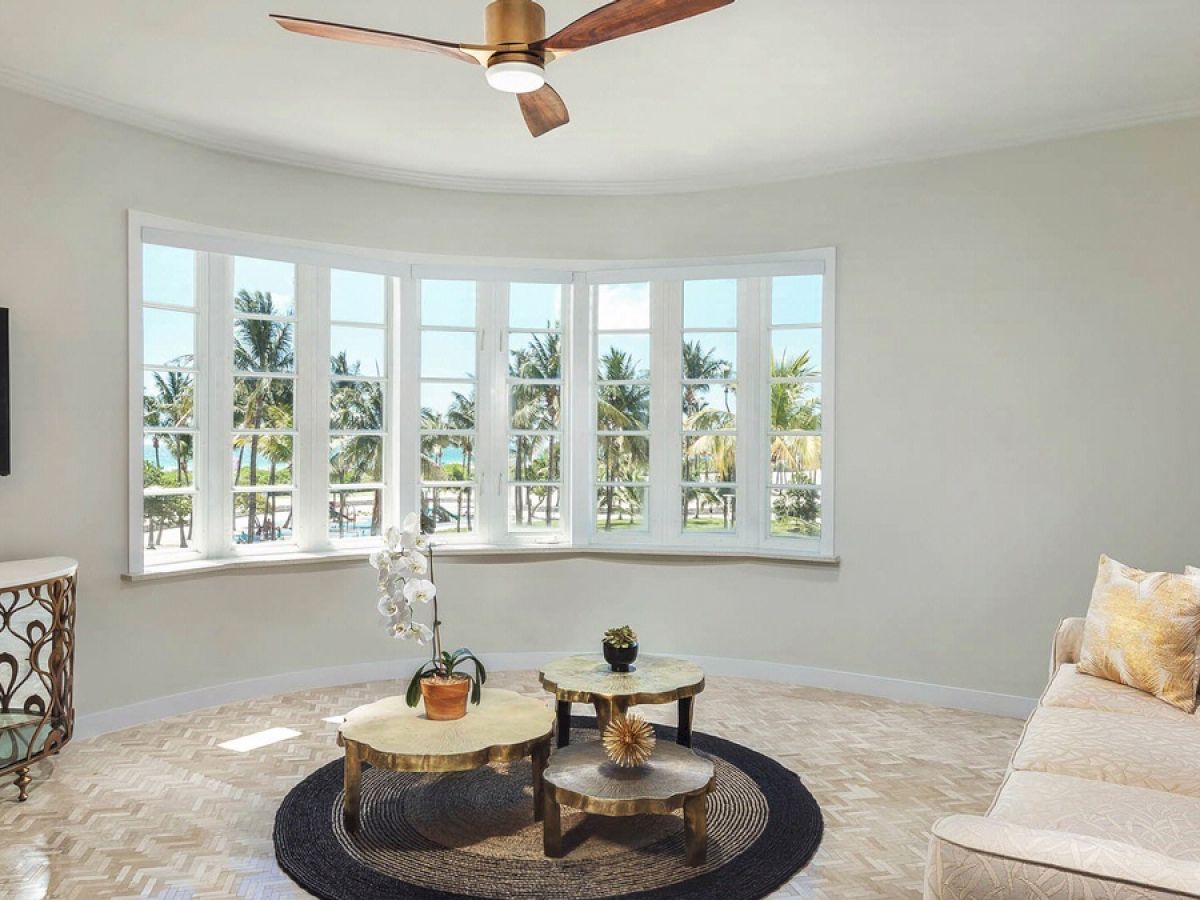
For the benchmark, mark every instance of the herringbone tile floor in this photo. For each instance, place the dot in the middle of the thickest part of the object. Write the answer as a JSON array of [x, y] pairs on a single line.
[[161, 811]]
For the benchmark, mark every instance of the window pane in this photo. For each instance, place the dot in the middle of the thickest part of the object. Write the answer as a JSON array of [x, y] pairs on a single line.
[[448, 354], [623, 458], [795, 460], [263, 403], [449, 303], [261, 518], [168, 275], [624, 407], [357, 297], [355, 514], [710, 304], [448, 509], [448, 406], [534, 355], [535, 306], [355, 460], [709, 355], [167, 524], [795, 352], [622, 306], [263, 459], [264, 286], [534, 506], [620, 509], [534, 458], [709, 407], [622, 357], [710, 458], [169, 338], [796, 300], [358, 351], [796, 513], [535, 407], [264, 345], [709, 509], [356, 406], [446, 457], [167, 460], [167, 399], [795, 406]]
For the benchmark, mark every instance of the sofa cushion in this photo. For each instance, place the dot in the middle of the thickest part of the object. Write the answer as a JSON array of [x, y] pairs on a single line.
[[1142, 630], [1073, 689], [1147, 819], [1160, 754]]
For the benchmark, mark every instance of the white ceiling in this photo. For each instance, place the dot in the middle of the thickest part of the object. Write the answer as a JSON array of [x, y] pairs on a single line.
[[757, 91]]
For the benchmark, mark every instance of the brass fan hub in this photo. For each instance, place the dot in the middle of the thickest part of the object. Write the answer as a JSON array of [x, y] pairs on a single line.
[[519, 22]]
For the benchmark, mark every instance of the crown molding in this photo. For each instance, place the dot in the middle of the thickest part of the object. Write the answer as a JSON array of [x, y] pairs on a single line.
[[228, 142]]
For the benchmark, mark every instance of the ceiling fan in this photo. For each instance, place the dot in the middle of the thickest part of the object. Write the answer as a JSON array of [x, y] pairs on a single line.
[[517, 49]]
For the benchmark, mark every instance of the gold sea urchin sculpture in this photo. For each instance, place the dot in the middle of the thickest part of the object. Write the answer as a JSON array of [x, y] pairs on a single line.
[[628, 741]]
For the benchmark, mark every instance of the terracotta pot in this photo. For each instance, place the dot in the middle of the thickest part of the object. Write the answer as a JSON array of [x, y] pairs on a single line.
[[445, 699]]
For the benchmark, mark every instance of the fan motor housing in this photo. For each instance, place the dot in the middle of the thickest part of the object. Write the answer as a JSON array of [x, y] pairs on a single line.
[[517, 22]]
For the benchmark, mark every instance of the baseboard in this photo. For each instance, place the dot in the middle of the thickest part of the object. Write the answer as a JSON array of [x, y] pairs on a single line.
[[120, 717]]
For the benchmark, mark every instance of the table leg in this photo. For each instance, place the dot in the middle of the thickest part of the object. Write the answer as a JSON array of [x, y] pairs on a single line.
[[695, 829], [607, 709], [683, 734], [563, 708], [541, 758], [353, 788], [551, 827], [22, 783]]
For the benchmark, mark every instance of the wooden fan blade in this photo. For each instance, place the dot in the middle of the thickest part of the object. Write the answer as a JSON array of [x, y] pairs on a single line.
[[543, 110], [384, 39], [625, 17]]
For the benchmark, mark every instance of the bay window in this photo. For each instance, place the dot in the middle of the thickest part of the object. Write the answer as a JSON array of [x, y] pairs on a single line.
[[293, 400]]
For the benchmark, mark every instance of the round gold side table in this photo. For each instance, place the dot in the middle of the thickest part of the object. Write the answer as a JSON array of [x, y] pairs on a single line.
[[37, 662], [582, 777], [654, 679], [390, 734]]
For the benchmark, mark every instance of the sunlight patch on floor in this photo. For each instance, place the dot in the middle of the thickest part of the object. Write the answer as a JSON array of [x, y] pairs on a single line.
[[259, 739]]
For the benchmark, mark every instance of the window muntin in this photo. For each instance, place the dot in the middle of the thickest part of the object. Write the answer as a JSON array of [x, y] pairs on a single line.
[[692, 421], [264, 437], [623, 350], [171, 330], [358, 386], [534, 350], [449, 429], [795, 343]]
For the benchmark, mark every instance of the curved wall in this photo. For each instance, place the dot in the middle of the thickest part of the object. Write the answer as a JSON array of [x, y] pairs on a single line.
[[1017, 382]]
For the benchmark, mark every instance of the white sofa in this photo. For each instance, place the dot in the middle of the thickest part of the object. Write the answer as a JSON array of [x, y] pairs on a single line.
[[1101, 800]]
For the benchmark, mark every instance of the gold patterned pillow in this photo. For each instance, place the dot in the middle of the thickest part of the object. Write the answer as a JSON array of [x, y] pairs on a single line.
[[1142, 630]]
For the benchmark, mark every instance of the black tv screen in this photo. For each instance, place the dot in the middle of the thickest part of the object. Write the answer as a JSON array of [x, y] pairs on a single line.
[[5, 428]]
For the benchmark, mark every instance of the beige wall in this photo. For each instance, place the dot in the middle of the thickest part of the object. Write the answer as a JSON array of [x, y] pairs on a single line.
[[1018, 391]]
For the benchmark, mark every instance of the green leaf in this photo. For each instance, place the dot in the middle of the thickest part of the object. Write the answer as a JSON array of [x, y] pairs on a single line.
[[476, 691], [413, 695]]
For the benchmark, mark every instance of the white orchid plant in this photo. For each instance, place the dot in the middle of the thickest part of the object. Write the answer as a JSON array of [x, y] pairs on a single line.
[[405, 568]]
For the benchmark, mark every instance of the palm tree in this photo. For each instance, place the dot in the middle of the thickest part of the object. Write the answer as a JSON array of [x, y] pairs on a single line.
[[461, 416], [621, 408], [536, 407], [793, 408], [357, 406], [260, 345]]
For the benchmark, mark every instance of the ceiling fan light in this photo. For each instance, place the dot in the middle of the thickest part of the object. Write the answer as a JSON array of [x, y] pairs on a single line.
[[515, 77]]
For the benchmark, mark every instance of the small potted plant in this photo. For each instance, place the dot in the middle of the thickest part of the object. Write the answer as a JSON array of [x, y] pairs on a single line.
[[405, 567], [620, 648]]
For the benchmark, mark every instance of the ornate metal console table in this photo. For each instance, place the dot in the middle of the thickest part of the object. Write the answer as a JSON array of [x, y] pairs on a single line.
[[37, 661]]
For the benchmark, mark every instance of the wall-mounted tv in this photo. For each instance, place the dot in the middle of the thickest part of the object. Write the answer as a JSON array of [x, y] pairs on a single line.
[[5, 427]]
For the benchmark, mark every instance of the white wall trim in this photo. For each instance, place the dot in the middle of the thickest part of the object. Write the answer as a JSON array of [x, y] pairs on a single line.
[[228, 141], [117, 718]]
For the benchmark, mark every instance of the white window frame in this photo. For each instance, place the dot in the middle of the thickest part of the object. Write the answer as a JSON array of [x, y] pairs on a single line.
[[311, 489]]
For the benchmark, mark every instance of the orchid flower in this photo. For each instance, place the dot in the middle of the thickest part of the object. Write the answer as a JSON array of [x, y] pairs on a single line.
[[409, 631], [419, 590], [389, 607], [412, 564]]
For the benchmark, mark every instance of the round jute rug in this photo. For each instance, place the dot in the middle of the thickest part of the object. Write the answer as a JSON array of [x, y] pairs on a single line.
[[472, 835]]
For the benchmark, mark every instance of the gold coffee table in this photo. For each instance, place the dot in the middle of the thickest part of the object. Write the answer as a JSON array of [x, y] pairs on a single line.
[[654, 679], [505, 726], [582, 777]]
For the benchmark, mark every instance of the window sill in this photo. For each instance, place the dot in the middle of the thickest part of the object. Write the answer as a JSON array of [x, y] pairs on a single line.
[[480, 552]]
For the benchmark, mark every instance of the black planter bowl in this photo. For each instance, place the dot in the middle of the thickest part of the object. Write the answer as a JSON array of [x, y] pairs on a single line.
[[620, 659]]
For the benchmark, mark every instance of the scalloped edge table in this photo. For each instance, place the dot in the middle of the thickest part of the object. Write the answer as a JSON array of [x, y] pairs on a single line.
[[588, 678], [390, 734]]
